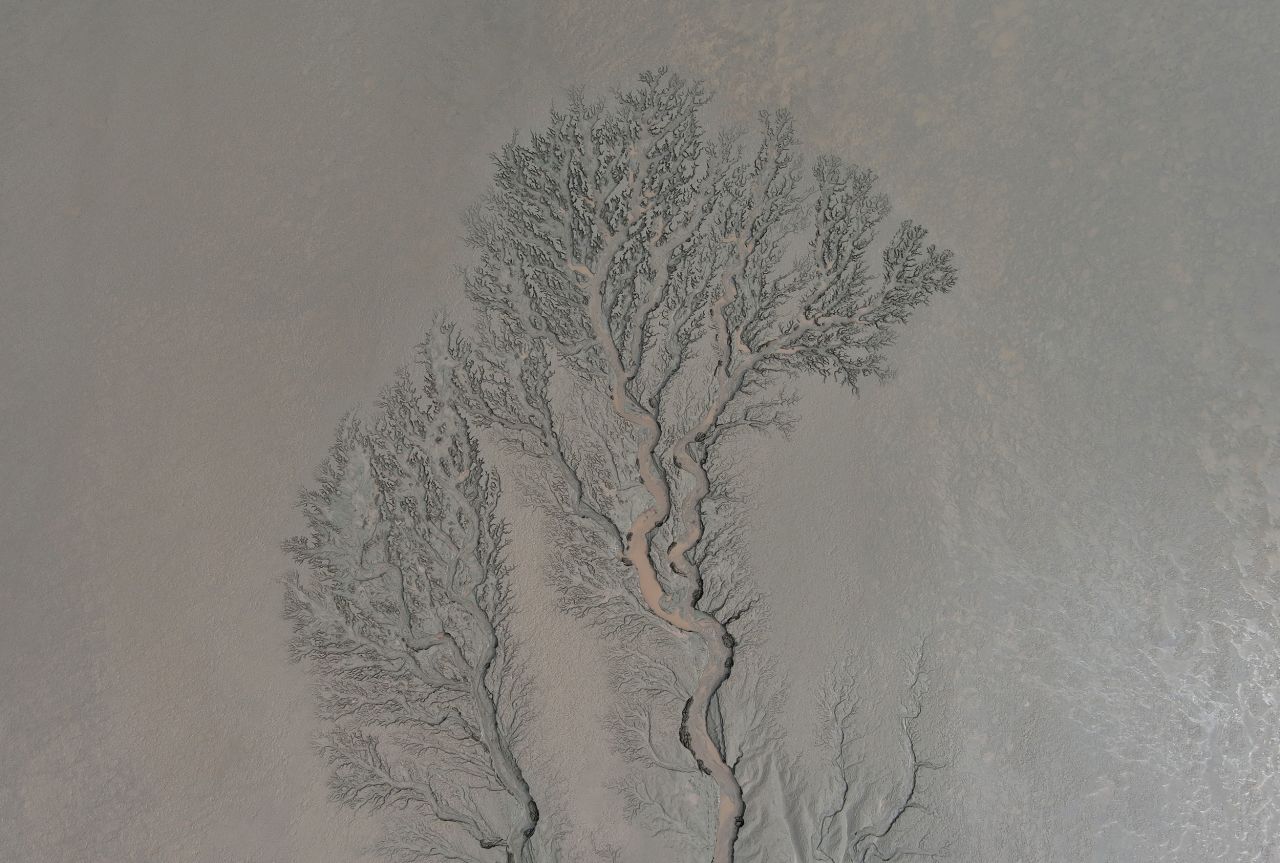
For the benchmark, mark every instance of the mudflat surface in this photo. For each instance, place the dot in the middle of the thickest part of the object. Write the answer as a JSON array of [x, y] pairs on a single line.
[[224, 225]]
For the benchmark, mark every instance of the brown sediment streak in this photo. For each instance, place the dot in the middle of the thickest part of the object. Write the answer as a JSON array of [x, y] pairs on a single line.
[[683, 616], [636, 542], [720, 644]]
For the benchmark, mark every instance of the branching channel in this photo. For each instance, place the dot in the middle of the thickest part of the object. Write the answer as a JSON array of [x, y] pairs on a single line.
[[402, 612], [645, 292]]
